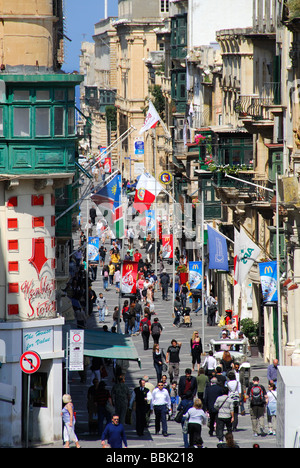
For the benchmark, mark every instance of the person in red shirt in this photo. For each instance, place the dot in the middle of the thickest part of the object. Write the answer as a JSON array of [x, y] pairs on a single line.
[[137, 256]]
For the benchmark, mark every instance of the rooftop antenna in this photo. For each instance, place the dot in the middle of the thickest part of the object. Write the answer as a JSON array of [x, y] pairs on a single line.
[[105, 10]]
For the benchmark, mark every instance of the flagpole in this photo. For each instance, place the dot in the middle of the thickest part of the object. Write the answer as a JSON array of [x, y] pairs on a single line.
[[280, 355], [155, 204], [87, 260], [173, 232], [203, 265]]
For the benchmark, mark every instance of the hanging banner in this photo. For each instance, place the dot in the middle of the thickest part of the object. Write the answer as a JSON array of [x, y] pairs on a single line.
[[93, 249], [217, 248], [129, 276], [268, 278], [107, 165], [195, 275], [167, 246]]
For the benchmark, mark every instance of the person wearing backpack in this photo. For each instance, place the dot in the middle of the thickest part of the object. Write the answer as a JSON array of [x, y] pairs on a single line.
[[145, 328], [258, 398], [156, 330]]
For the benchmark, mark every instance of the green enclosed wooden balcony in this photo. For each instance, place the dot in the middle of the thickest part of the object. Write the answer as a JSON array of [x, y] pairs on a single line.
[[37, 123]]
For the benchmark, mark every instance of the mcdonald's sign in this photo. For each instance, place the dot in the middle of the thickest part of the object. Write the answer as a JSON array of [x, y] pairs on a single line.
[[268, 279]]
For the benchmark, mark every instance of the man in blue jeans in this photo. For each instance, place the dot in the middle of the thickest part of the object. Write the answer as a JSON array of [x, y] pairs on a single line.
[[101, 306], [161, 403]]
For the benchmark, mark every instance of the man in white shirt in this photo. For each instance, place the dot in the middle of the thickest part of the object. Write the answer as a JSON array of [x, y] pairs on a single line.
[[161, 403]]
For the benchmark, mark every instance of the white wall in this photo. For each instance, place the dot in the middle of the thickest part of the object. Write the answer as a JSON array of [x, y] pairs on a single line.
[[208, 16]]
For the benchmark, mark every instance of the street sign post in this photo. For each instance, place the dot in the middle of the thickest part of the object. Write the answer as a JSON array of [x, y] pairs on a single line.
[[30, 363]]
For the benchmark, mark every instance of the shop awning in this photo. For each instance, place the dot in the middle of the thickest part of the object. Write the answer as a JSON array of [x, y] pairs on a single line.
[[98, 343]]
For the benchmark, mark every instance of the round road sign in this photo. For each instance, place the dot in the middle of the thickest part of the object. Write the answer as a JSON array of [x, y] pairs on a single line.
[[30, 362]]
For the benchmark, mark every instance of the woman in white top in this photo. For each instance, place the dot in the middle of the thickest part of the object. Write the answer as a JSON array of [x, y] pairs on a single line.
[[272, 408], [210, 364], [196, 418]]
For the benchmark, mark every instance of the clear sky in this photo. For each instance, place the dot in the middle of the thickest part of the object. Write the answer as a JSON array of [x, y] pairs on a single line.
[[80, 18]]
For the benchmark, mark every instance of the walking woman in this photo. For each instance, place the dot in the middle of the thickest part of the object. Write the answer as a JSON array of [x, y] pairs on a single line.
[[68, 417], [196, 350], [196, 418], [158, 360]]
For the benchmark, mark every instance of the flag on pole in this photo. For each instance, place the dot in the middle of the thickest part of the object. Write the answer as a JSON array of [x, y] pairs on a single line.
[[151, 120], [147, 190], [109, 198], [217, 248], [245, 252]]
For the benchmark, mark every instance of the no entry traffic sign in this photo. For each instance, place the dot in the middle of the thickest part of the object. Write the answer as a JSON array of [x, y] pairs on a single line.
[[30, 362]]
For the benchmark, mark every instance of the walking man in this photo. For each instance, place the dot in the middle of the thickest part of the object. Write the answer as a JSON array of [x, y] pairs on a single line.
[[114, 433], [161, 403], [258, 398], [101, 305], [172, 359]]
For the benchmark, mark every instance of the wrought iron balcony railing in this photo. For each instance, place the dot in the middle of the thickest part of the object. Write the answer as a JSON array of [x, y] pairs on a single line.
[[257, 106]]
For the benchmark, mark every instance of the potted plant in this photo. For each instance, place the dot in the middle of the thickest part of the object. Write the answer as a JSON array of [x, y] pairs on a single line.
[[251, 330]]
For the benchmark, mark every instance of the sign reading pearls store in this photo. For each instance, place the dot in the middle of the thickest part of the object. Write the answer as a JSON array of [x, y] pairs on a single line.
[[38, 339]]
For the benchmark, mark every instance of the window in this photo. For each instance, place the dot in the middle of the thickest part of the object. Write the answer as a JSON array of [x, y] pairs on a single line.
[[164, 6], [59, 120], [71, 121], [21, 122], [42, 121], [59, 95], [42, 95], [1, 121], [21, 95]]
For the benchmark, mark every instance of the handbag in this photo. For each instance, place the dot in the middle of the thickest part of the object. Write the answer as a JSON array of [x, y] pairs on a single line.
[[109, 407], [179, 415], [164, 367]]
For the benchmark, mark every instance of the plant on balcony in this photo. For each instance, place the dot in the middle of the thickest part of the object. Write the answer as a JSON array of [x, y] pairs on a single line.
[[199, 138], [212, 166]]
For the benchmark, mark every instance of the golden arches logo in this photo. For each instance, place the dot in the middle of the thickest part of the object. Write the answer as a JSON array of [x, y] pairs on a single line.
[[129, 267], [195, 267], [268, 269]]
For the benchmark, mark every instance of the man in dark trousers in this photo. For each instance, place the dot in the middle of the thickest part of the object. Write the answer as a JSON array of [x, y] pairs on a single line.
[[93, 214], [164, 284], [212, 392], [142, 400], [187, 385], [145, 329]]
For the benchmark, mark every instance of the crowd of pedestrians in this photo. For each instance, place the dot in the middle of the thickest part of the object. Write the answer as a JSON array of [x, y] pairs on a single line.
[[214, 396]]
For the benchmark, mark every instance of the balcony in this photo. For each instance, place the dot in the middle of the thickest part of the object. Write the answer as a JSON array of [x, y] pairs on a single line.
[[260, 107], [233, 188]]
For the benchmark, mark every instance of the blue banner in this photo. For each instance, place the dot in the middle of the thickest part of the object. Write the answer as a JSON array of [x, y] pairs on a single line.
[[217, 248], [93, 249], [195, 275], [268, 279]]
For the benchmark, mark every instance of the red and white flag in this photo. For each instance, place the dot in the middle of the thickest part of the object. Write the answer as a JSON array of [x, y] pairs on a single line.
[[147, 190], [151, 120]]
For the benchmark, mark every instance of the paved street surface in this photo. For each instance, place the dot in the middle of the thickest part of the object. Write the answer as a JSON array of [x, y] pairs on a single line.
[[163, 310]]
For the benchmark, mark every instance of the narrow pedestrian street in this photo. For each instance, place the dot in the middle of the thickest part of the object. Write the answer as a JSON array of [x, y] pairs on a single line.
[[163, 310]]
